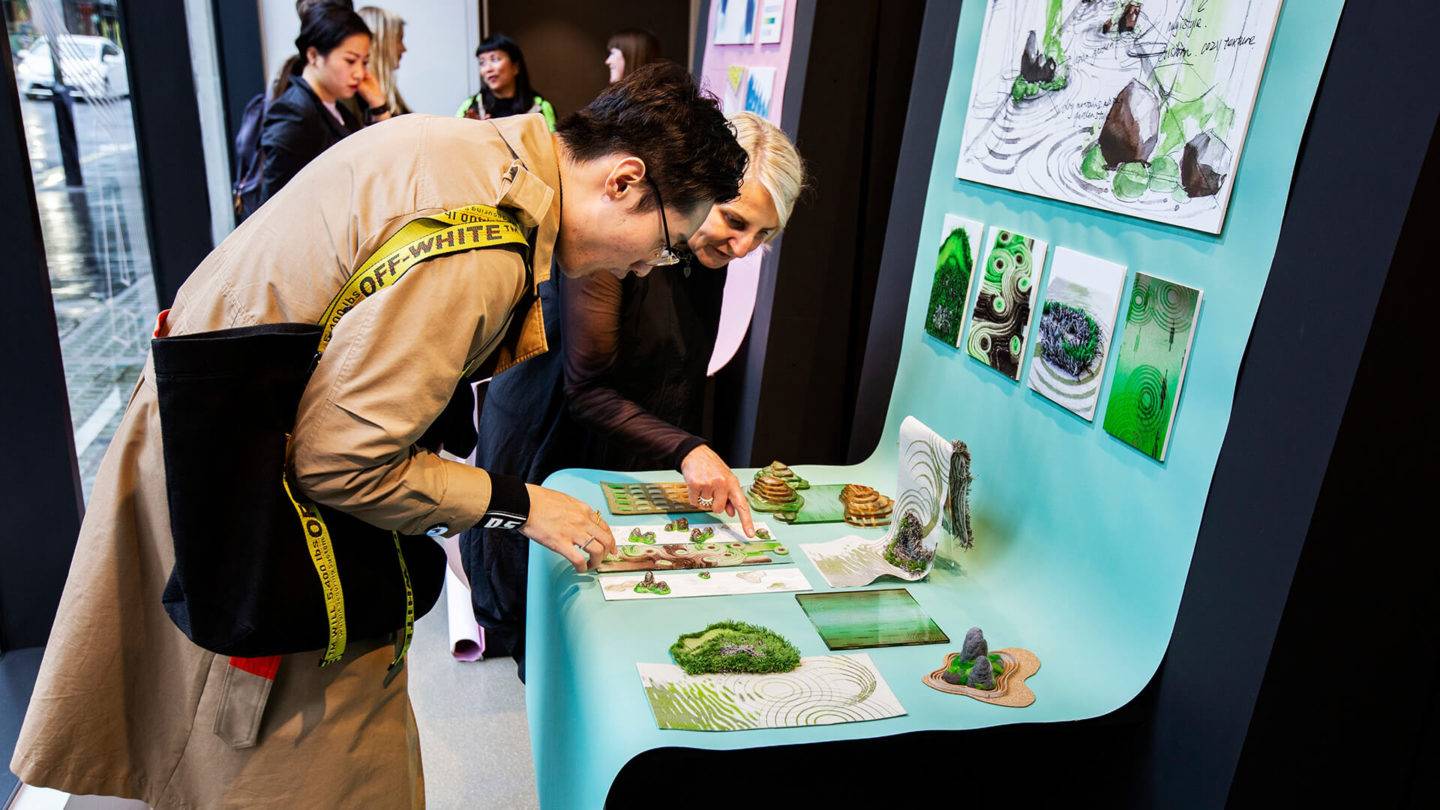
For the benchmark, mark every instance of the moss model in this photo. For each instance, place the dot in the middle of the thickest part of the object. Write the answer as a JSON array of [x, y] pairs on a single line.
[[975, 666], [650, 585], [906, 550], [734, 647]]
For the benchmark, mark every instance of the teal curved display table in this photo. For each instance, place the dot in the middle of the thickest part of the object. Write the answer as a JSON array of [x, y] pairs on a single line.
[[1082, 544]]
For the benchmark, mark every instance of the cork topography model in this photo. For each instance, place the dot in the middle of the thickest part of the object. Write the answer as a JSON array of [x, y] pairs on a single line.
[[993, 677]]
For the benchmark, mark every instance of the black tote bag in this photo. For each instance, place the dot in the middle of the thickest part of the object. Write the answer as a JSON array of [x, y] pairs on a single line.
[[245, 582]]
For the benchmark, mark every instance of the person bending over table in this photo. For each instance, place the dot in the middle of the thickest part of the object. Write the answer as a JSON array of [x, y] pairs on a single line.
[[125, 704], [627, 393]]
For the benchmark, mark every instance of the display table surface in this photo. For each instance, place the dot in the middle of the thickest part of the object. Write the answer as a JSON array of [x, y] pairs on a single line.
[[589, 715], [1082, 544]]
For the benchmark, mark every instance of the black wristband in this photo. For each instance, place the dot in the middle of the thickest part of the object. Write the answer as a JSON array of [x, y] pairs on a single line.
[[509, 503]]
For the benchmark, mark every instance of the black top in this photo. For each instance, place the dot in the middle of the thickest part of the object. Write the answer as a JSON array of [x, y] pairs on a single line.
[[635, 372], [297, 129], [622, 388]]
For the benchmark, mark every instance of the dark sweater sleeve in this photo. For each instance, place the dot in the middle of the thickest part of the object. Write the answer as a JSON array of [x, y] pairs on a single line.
[[288, 141], [592, 331]]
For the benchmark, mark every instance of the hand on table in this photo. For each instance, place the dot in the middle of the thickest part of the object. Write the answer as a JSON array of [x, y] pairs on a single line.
[[568, 527], [707, 476]]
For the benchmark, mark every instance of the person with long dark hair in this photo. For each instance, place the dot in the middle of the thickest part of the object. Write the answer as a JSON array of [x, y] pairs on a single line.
[[505, 87], [330, 64]]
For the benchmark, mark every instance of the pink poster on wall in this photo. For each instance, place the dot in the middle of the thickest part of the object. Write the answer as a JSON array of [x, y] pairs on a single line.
[[745, 76]]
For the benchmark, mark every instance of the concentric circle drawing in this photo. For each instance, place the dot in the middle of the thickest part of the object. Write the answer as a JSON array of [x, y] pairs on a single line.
[[1154, 351], [822, 691], [1002, 309]]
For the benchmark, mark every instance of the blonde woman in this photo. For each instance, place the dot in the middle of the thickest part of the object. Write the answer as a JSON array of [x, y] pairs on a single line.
[[386, 48], [627, 392]]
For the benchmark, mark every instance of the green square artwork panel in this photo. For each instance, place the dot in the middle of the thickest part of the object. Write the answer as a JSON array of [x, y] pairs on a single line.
[[954, 276], [1154, 350], [853, 620], [1009, 279]]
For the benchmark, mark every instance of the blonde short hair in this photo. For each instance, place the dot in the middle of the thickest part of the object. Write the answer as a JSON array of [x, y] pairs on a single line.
[[774, 162]]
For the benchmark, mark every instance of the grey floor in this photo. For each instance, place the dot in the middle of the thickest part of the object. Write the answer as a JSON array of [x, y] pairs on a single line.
[[473, 732]]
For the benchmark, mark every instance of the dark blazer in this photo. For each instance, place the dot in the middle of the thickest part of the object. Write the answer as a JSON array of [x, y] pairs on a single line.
[[297, 129]]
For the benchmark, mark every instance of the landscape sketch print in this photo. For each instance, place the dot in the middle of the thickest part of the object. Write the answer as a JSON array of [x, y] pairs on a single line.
[[1135, 107]]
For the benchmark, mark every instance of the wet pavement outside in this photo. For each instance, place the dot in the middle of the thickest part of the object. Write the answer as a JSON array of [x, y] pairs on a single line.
[[99, 261]]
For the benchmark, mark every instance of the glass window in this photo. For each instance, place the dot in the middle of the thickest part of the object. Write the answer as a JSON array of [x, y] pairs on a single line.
[[91, 210]]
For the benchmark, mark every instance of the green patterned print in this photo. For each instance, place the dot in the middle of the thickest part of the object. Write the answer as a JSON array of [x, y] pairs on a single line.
[[1002, 311], [1159, 324], [951, 287], [823, 690]]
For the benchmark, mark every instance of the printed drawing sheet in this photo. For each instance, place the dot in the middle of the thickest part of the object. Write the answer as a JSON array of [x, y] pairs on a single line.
[[823, 690], [1135, 107], [680, 584], [724, 533]]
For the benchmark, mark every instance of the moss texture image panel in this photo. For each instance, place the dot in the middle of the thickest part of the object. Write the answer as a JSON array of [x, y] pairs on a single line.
[[1154, 349], [1136, 107], [853, 620], [1010, 276], [824, 690], [1077, 321], [954, 276]]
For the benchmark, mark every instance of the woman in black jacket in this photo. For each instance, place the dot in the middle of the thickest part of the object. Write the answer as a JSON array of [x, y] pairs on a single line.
[[303, 120]]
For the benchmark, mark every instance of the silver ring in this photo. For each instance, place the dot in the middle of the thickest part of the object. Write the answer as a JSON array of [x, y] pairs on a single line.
[[586, 547], [704, 502]]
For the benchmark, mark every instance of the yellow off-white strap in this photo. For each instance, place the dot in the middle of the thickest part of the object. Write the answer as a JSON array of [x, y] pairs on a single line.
[[322, 554], [402, 642], [469, 228], [454, 231]]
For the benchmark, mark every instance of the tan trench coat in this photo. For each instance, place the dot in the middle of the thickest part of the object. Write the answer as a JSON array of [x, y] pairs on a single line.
[[125, 705]]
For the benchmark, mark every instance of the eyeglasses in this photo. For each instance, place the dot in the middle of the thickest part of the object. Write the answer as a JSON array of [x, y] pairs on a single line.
[[668, 256]]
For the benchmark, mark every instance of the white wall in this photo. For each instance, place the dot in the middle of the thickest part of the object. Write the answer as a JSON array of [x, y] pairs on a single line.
[[439, 68]]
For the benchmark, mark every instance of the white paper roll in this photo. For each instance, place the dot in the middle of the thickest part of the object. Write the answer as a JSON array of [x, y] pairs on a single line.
[[467, 639]]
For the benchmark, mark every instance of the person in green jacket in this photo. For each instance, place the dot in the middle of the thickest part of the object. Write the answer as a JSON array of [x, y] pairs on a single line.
[[505, 87]]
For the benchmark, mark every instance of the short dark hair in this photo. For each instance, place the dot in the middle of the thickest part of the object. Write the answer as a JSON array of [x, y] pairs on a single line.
[[660, 115]]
